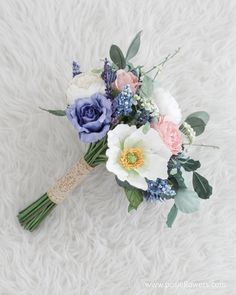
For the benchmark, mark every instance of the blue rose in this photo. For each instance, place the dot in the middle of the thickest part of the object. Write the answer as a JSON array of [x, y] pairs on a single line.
[[91, 117]]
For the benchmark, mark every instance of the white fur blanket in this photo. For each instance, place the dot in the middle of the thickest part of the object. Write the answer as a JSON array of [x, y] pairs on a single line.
[[90, 244]]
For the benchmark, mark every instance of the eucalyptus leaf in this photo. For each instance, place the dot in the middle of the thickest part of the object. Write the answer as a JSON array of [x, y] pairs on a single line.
[[204, 116], [189, 164], [197, 124], [201, 186], [172, 215], [134, 47], [135, 197], [117, 56], [198, 121], [177, 180], [60, 113], [147, 86], [187, 201], [146, 128]]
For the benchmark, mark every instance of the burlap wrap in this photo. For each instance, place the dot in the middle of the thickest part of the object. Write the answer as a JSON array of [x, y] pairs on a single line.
[[64, 185]]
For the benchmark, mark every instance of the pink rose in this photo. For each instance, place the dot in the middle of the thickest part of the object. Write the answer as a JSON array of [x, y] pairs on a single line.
[[123, 78], [169, 133]]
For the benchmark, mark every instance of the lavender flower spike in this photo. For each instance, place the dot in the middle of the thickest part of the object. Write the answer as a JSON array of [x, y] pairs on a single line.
[[75, 69]]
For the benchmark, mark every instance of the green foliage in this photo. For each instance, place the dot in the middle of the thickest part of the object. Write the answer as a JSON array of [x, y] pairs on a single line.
[[177, 180], [172, 215], [123, 184], [147, 86], [146, 128], [60, 113], [204, 116], [187, 201], [117, 56], [134, 47], [130, 208], [197, 121], [189, 164], [175, 174], [201, 186], [134, 196]]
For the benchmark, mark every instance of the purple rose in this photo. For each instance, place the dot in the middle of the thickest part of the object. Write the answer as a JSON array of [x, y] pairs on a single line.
[[91, 117]]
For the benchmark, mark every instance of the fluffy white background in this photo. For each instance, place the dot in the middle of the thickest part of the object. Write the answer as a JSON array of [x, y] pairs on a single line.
[[90, 244]]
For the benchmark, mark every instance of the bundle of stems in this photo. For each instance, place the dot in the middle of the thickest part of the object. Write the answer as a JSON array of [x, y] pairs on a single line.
[[32, 216]]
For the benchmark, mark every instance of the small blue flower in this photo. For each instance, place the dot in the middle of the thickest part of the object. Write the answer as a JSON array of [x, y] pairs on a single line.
[[75, 69], [124, 101], [158, 190]]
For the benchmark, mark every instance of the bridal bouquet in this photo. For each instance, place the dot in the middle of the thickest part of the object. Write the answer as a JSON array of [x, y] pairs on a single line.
[[135, 128]]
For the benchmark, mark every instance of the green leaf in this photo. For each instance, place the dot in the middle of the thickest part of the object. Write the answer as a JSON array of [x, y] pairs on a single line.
[[204, 116], [134, 47], [123, 184], [135, 197], [177, 180], [146, 128], [198, 121], [55, 112], [117, 56], [175, 174], [171, 216], [147, 86], [187, 201], [189, 164], [201, 186], [130, 208]]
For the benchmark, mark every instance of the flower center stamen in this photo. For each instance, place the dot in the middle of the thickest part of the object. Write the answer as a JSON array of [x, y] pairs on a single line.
[[132, 158]]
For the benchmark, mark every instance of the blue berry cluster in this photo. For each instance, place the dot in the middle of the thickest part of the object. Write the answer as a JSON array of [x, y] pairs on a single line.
[[158, 190], [142, 117], [124, 101], [75, 69]]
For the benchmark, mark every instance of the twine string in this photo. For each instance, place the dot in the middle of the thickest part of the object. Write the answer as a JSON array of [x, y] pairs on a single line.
[[73, 177]]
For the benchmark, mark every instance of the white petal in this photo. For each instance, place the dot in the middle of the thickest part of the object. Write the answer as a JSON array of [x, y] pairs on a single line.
[[113, 165], [167, 105], [84, 85], [137, 180], [150, 142], [117, 136], [155, 167], [156, 153]]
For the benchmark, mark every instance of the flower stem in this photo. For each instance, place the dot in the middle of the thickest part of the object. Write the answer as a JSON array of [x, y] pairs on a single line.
[[203, 145], [95, 152], [161, 65]]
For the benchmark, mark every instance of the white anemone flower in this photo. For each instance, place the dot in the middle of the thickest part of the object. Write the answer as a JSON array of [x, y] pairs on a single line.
[[134, 155], [167, 105], [84, 85]]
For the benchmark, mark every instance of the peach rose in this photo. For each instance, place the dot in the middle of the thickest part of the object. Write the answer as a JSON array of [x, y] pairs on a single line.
[[123, 78], [169, 133]]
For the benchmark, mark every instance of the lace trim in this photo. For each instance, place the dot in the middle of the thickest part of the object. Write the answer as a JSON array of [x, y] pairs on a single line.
[[74, 176]]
